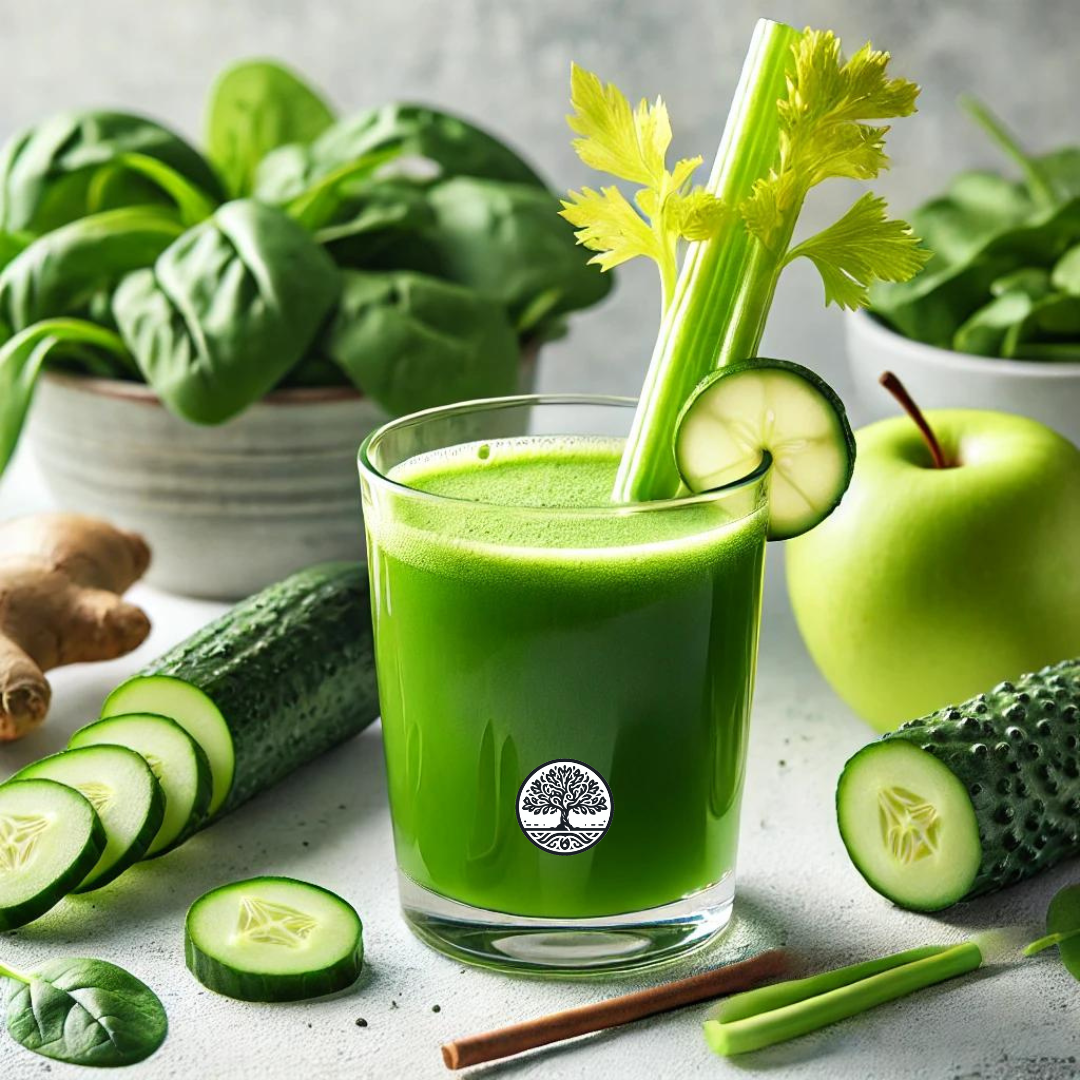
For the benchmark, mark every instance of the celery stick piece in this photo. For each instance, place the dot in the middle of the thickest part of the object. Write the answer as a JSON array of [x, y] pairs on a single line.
[[803, 1016], [699, 330], [767, 998]]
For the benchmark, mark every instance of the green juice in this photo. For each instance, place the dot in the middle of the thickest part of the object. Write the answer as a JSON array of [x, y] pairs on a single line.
[[515, 626]]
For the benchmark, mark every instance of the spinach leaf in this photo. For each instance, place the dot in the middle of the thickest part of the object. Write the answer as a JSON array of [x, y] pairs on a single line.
[[1063, 929], [1062, 170], [976, 207], [316, 370], [11, 244], [23, 356], [192, 203], [318, 205], [256, 106], [47, 171], [1054, 319], [508, 243], [455, 146], [505, 241], [414, 342], [61, 272], [984, 332], [1003, 276], [84, 1012], [1066, 273], [377, 216], [226, 310], [932, 305]]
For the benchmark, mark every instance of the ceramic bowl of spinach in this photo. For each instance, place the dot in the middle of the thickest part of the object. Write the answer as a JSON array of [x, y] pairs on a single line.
[[993, 320], [200, 338]]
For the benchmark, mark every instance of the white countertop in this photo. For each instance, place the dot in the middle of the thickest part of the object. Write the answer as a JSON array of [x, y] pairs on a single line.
[[330, 824]]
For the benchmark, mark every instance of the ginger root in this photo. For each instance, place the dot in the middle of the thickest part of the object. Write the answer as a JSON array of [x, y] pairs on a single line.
[[60, 580]]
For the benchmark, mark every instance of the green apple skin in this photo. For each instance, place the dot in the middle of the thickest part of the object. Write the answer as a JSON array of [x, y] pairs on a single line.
[[927, 586]]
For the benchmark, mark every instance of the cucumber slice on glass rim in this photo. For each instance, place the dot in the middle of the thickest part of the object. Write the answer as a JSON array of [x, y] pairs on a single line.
[[273, 939], [742, 410]]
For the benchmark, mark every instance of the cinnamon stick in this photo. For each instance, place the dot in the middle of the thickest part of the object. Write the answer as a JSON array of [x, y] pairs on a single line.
[[504, 1042]]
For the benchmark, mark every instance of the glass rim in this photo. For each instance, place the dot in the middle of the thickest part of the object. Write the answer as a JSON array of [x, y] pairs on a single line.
[[375, 475]]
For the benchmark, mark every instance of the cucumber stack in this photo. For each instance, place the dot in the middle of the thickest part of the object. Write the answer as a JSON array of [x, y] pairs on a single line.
[[971, 798], [282, 678]]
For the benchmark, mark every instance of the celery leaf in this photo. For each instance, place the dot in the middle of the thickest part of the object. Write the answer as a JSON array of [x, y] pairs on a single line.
[[864, 246], [822, 130], [608, 224], [631, 144]]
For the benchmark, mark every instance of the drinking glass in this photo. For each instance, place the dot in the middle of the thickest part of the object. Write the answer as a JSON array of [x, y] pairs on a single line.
[[565, 696]]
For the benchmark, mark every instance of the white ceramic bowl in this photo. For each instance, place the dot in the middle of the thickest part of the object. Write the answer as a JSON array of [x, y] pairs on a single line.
[[226, 509], [940, 378]]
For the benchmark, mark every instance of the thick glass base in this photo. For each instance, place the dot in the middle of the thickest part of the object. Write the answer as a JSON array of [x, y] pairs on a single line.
[[538, 946]]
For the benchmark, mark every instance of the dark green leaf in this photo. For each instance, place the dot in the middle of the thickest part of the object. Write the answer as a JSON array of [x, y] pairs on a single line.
[[318, 205], [1063, 917], [11, 244], [932, 306], [227, 310], [456, 147], [1062, 168], [508, 243], [1066, 275], [505, 241], [256, 106], [192, 203], [984, 332], [1036, 177], [1033, 281], [315, 370], [1063, 929], [976, 207], [86, 1012], [61, 272], [48, 171], [21, 361], [377, 216], [414, 342], [1054, 319]]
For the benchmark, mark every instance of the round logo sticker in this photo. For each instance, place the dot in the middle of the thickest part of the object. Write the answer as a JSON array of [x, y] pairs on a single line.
[[564, 807]]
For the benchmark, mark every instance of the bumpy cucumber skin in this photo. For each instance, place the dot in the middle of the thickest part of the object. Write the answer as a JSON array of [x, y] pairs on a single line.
[[1016, 750], [35, 906], [231, 982], [291, 669], [145, 837]]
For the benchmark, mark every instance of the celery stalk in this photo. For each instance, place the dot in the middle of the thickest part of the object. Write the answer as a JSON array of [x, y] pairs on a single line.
[[726, 283], [778, 995], [809, 1014]]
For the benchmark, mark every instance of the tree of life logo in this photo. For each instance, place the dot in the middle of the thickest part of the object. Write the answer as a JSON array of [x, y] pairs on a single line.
[[573, 791]]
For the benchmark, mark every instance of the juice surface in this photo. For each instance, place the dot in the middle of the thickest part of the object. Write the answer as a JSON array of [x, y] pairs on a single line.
[[508, 638]]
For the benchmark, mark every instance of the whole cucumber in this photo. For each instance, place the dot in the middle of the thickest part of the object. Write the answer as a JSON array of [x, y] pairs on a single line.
[[283, 677], [971, 798]]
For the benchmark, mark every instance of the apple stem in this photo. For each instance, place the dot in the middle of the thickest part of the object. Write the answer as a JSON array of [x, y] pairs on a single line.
[[899, 391]]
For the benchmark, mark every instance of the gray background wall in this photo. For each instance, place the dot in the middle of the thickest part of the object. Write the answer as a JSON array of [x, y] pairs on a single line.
[[506, 62]]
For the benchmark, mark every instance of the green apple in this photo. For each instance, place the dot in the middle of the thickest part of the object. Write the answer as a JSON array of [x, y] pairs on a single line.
[[929, 585]]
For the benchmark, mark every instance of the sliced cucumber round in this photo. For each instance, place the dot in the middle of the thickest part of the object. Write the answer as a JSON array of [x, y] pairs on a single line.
[[174, 757], [273, 939], [908, 825], [50, 839], [193, 711], [125, 793], [740, 411]]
